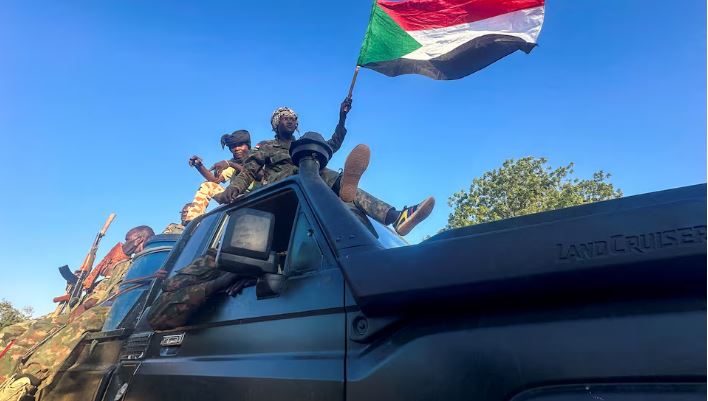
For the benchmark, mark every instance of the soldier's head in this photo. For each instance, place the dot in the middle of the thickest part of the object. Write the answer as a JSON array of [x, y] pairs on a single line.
[[238, 142], [135, 239], [284, 122], [184, 214]]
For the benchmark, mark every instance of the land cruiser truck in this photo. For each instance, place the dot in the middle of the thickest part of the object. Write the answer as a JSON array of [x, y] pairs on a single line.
[[604, 301]]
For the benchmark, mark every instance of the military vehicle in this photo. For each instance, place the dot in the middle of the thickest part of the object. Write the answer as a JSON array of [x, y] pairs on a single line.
[[605, 301], [85, 373]]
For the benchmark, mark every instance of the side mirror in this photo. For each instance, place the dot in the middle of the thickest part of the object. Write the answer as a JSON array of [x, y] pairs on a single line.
[[246, 245]]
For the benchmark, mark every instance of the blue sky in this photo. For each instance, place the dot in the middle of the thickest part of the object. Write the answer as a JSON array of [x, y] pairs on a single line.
[[102, 103]]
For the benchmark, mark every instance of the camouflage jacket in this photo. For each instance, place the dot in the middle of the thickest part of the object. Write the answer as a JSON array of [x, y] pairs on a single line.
[[274, 158], [109, 286], [183, 293]]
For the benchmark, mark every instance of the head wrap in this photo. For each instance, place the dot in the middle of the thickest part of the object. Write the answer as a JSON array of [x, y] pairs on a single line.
[[236, 138], [278, 114]]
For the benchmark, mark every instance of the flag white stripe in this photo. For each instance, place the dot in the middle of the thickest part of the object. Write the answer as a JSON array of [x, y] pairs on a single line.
[[523, 24]]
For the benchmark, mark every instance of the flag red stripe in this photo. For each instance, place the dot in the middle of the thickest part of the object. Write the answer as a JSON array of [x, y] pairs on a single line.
[[416, 15]]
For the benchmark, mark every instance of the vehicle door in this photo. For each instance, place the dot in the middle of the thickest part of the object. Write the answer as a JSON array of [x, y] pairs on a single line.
[[260, 344]]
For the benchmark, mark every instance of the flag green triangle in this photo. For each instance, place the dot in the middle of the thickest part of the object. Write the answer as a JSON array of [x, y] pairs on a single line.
[[385, 39]]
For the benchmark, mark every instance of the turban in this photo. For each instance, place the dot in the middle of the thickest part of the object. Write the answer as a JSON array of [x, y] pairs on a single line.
[[279, 113], [236, 138]]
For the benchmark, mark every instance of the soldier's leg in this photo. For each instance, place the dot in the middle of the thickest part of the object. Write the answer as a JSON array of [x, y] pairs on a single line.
[[403, 221], [202, 197], [372, 206], [354, 167], [330, 177], [346, 183]]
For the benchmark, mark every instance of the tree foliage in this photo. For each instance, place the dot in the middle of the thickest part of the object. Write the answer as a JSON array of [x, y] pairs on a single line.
[[524, 186], [11, 315]]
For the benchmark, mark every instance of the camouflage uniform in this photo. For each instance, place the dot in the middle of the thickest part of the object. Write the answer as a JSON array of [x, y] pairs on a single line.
[[274, 158], [26, 334], [185, 292], [173, 228], [60, 340], [109, 286]]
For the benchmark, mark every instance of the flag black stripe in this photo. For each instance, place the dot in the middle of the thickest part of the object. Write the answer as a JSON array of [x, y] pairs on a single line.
[[460, 62]]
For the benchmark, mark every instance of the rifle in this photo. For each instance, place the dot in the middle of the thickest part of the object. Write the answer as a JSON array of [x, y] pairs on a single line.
[[113, 256], [74, 290]]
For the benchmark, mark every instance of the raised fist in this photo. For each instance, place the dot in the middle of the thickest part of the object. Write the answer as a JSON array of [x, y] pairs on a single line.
[[195, 161], [345, 107]]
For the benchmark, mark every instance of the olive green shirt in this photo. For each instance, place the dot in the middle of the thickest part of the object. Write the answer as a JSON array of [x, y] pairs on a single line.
[[274, 158]]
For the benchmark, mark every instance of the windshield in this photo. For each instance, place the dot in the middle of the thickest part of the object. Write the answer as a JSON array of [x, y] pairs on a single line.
[[143, 265], [386, 237]]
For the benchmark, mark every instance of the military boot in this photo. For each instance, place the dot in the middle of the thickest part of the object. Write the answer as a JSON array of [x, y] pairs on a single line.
[[354, 167]]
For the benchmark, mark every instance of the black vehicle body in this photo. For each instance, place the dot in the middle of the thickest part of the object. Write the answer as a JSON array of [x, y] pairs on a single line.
[[85, 375], [601, 301]]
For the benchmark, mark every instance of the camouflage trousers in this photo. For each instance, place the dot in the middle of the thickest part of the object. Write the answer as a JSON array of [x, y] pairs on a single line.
[[25, 335], [53, 354], [202, 197], [371, 205]]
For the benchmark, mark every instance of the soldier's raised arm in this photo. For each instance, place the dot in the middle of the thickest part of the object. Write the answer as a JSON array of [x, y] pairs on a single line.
[[340, 131]]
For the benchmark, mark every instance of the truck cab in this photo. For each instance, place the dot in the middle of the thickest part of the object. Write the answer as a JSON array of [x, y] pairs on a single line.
[[601, 301]]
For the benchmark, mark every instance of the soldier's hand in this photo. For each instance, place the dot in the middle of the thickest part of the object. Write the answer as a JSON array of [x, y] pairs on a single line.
[[229, 195], [195, 161], [219, 167], [162, 273], [344, 108]]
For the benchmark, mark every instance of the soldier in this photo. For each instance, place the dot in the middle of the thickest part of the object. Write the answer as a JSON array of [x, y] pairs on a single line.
[[38, 329], [39, 365], [273, 159], [20, 337], [174, 228], [239, 143], [183, 293]]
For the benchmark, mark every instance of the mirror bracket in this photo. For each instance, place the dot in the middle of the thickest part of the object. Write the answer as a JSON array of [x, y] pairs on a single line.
[[270, 285]]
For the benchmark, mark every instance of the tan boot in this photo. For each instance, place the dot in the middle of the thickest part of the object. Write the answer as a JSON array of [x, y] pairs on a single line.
[[354, 167]]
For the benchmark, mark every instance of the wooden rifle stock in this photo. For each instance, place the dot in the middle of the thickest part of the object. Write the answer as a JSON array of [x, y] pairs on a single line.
[[61, 298]]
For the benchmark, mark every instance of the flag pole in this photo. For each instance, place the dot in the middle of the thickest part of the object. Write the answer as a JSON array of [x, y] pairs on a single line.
[[351, 87]]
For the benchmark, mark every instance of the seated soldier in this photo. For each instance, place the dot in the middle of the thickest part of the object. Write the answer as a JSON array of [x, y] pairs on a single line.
[[239, 143], [35, 370], [272, 160]]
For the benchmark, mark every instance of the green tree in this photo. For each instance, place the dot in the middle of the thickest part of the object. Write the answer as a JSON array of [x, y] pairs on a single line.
[[11, 315], [524, 186]]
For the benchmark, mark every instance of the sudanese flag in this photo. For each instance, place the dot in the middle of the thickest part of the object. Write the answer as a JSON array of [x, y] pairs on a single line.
[[447, 39]]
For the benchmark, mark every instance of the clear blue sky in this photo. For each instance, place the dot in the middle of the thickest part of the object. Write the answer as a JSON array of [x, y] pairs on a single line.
[[102, 103]]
